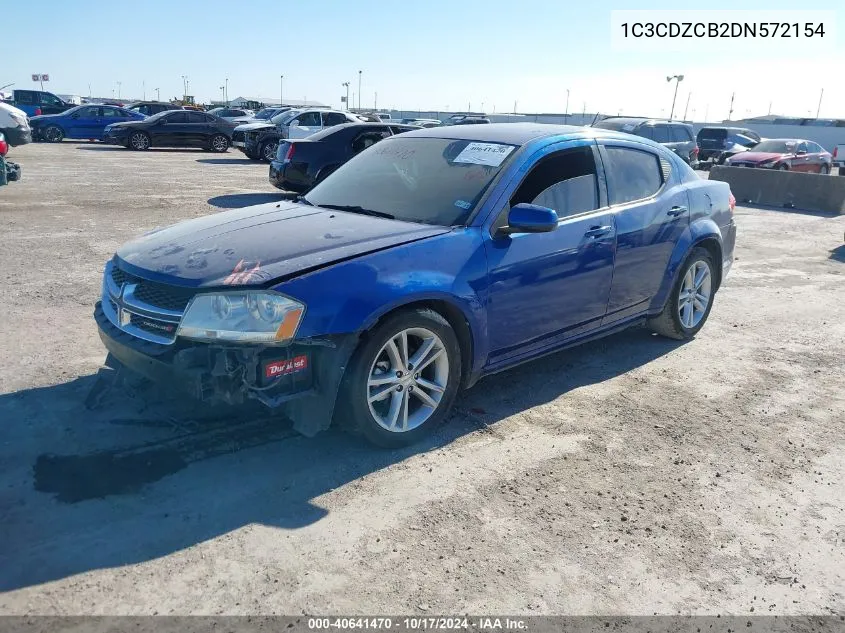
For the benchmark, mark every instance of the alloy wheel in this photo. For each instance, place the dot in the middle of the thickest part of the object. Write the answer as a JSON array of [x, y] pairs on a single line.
[[53, 134], [407, 379], [139, 141], [695, 293], [270, 151], [220, 143]]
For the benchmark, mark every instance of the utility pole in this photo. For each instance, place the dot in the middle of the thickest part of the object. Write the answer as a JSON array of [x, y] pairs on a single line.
[[360, 72], [584, 113], [281, 90], [689, 94], [731, 111], [118, 90], [514, 106], [678, 79], [226, 91], [820, 103], [375, 103], [89, 90]]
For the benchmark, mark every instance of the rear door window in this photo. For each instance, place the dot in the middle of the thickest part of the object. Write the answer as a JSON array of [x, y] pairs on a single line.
[[646, 131], [50, 99], [309, 119], [25, 97], [196, 117], [662, 134], [634, 174], [112, 113], [333, 118]]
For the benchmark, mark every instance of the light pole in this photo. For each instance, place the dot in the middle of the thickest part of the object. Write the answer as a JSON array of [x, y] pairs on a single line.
[[184, 87], [820, 103], [678, 79], [158, 96], [226, 92], [144, 90], [360, 72], [566, 112], [345, 84], [689, 94], [118, 90], [281, 90], [223, 93]]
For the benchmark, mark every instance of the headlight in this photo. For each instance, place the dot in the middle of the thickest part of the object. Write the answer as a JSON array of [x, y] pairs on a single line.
[[242, 317], [17, 118]]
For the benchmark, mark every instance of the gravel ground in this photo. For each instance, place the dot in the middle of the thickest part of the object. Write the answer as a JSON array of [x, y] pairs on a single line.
[[630, 476]]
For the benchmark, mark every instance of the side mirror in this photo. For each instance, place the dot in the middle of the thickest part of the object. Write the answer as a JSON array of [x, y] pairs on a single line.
[[530, 218]]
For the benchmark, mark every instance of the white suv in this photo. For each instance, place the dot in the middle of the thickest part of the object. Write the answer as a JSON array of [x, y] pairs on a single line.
[[305, 122]]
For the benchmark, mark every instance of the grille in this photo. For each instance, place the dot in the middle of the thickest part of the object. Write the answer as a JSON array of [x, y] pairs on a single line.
[[161, 328], [237, 137], [158, 295]]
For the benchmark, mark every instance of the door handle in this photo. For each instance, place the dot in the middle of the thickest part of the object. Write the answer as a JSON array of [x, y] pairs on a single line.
[[597, 231], [676, 211]]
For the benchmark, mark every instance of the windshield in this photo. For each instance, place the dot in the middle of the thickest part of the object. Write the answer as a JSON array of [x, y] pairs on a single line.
[[266, 113], [216, 110], [285, 117], [428, 180], [777, 147]]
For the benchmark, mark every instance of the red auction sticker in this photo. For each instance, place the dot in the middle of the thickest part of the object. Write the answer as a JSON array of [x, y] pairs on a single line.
[[284, 367]]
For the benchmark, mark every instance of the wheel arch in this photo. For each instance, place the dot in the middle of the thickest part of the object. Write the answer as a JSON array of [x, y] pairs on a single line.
[[454, 315]]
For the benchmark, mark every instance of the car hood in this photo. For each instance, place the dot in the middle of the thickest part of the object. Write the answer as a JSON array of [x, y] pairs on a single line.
[[256, 245], [43, 118], [248, 127], [761, 157]]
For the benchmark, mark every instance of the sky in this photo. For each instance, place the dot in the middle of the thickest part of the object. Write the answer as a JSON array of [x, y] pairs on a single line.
[[438, 55]]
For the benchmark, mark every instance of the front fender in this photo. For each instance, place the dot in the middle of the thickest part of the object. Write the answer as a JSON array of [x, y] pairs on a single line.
[[351, 296], [699, 230]]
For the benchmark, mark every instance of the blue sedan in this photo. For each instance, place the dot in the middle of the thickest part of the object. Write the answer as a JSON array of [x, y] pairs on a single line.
[[81, 122], [428, 261]]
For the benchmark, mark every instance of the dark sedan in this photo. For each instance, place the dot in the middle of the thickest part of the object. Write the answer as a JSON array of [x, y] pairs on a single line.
[[786, 154], [177, 128], [301, 163]]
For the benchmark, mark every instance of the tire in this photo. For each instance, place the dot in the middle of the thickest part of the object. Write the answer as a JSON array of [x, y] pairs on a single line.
[[675, 322], [372, 361], [783, 167], [824, 170], [268, 147], [53, 134], [219, 143], [139, 141]]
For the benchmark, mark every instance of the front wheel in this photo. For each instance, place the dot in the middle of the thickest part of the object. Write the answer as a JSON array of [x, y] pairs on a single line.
[[403, 378], [268, 151], [824, 170], [219, 143], [139, 141], [783, 167], [54, 134], [689, 305]]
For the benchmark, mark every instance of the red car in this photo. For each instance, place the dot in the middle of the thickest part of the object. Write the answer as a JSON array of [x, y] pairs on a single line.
[[792, 154]]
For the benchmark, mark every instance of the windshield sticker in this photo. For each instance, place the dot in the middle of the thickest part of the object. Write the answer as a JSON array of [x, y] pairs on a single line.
[[463, 204], [484, 154]]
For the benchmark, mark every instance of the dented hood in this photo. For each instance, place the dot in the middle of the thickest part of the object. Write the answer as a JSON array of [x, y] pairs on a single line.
[[256, 245]]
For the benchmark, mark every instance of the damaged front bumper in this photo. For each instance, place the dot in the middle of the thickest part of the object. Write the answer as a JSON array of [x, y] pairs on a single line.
[[301, 379]]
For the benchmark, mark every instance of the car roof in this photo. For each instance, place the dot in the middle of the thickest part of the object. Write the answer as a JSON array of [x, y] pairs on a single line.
[[639, 120], [511, 133]]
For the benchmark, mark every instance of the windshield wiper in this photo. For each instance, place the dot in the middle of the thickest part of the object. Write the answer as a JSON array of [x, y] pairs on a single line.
[[356, 209]]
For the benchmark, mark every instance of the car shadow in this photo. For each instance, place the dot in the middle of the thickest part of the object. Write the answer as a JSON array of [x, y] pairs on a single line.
[[838, 253], [147, 474], [228, 161], [786, 209], [239, 200]]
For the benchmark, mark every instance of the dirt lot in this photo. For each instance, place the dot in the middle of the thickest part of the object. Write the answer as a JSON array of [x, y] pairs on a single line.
[[630, 476]]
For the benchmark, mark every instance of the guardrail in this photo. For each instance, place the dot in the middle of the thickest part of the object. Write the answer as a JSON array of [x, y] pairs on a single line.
[[796, 190]]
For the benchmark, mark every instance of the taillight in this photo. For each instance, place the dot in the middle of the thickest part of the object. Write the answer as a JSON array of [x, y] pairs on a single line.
[[4, 147], [37, 111], [835, 151], [289, 154], [694, 153], [731, 203]]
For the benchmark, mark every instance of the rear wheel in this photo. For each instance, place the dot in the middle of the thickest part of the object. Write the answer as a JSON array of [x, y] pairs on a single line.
[[403, 378], [139, 141], [783, 167], [219, 143], [691, 299], [824, 169], [54, 134]]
